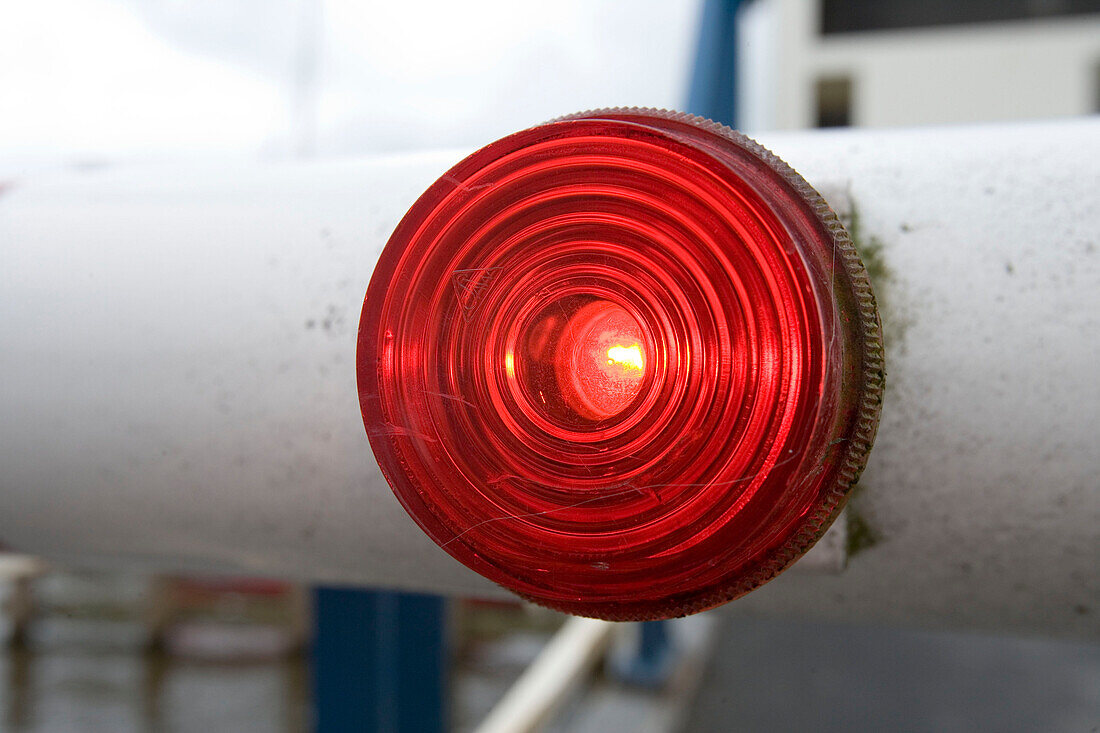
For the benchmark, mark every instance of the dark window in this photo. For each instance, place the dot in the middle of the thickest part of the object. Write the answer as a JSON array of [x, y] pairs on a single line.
[[834, 101], [845, 16], [1096, 90]]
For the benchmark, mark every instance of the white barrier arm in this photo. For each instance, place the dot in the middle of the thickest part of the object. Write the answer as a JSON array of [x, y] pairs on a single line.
[[177, 382]]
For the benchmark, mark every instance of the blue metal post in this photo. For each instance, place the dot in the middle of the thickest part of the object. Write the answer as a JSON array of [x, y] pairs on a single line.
[[655, 659], [713, 92], [379, 662]]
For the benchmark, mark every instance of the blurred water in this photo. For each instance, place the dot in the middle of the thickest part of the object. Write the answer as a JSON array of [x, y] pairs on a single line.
[[85, 665], [89, 690], [78, 674]]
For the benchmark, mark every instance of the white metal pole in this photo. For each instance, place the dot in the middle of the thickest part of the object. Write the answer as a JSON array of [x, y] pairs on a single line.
[[545, 685], [177, 386]]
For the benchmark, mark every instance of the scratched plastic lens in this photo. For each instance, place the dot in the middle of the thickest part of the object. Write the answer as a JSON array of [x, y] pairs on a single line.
[[626, 364]]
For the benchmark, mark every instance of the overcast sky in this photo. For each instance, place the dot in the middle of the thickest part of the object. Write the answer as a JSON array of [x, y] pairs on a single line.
[[91, 81]]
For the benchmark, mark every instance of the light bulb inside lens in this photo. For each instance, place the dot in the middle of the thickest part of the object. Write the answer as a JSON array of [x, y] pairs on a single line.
[[585, 360]]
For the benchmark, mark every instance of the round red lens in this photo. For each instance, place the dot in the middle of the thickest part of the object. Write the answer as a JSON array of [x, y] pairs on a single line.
[[626, 364]]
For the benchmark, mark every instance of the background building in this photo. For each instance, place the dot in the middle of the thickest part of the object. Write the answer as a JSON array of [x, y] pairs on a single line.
[[821, 63]]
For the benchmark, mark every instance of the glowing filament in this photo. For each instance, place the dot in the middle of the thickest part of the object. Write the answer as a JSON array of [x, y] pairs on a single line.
[[627, 357]]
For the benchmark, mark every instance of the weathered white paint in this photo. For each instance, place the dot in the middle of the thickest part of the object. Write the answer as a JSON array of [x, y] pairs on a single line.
[[982, 484], [178, 371], [177, 385]]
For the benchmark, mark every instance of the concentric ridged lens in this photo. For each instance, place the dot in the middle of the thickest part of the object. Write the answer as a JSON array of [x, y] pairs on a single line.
[[626, 364]]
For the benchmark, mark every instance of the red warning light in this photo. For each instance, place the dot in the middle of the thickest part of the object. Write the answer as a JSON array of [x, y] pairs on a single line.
[[626, 364]]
